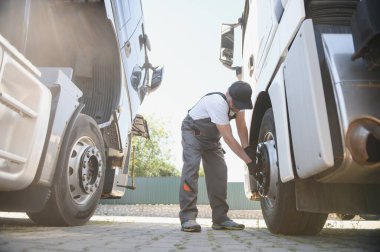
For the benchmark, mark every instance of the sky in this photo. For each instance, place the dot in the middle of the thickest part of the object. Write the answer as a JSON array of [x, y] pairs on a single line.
[[185, 39]]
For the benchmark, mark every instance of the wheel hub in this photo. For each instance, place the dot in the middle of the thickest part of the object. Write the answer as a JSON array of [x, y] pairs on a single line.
[[85, 170], [89, 172], [267, 160]]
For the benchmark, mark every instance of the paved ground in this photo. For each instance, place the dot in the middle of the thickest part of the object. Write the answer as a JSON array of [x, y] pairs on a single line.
[[159, 210], [149, 233]]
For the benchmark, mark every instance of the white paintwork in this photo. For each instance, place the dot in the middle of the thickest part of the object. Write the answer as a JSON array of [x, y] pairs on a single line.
[[309, 125], [24, 113], [278, 98], [281, 36], [67, 103]]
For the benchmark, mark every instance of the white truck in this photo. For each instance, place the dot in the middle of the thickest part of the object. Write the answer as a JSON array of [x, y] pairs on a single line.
[[314, 70], [72, 76]]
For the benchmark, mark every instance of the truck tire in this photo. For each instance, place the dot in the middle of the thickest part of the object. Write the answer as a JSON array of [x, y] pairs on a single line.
[[279, 203], [78, 179]]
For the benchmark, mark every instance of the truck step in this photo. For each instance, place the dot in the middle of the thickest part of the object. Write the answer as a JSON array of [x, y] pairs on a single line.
[[17, 106], [12, 157], [331, 12]]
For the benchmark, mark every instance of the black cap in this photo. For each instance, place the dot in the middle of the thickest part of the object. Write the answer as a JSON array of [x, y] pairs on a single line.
[[241, 93]]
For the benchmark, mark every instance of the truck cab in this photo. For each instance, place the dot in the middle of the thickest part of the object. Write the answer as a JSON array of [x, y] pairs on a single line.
[[73, 75], [314, 71]]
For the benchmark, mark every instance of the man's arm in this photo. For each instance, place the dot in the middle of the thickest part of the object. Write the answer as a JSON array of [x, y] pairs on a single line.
[[226, 132], [242, 128]]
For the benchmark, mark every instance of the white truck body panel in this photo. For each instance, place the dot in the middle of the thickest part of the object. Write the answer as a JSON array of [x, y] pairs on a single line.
[[278, 97], [280, 38], [24, 112], [128, 18], [292, 18], [67, 104], [307, 106]]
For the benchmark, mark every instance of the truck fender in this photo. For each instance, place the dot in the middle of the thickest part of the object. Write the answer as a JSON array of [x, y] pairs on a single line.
[[305, 99], [66, 134], [278, 99]]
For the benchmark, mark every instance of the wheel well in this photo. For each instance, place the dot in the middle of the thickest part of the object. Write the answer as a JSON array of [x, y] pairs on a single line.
[[261, 105], [70, 34]]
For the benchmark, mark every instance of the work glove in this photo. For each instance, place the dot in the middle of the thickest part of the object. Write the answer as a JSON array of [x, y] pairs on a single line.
[[251, 152], [253, 167]]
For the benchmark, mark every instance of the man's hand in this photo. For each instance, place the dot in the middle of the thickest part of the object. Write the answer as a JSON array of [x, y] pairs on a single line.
[[251, 152]]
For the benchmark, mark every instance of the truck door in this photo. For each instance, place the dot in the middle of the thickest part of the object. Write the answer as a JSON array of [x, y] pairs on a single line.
[[262, 15], [129, 29]]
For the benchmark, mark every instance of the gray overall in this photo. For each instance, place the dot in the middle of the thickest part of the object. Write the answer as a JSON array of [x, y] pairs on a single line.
[[200, 141]]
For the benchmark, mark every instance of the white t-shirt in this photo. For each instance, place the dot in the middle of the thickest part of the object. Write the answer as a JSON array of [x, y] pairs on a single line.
[[211, 106]]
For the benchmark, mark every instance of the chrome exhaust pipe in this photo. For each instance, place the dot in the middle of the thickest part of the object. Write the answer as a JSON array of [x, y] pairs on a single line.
[[363, 141]]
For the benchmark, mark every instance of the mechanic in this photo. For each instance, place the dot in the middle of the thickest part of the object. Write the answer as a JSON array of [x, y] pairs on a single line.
[[205, 124]]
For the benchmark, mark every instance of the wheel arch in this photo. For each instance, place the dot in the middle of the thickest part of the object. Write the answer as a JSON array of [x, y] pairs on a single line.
[[279, 102], [275, 98], [262, 103], [66, 134], [260, 107]]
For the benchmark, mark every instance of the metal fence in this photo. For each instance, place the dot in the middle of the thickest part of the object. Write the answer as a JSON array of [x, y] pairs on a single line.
[[164, 190]]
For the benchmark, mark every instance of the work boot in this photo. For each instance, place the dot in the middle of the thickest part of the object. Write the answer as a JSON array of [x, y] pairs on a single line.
[[190, 226], [228, 225]]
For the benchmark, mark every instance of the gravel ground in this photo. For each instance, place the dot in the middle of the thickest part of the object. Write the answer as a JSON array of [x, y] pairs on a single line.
[[204, 211], [161, 210]]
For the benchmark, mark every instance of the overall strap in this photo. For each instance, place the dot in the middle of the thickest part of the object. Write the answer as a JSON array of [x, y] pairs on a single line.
[[219, 93], [224, 97]]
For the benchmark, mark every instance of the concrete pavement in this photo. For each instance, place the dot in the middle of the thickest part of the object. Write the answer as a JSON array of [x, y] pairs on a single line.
[[141, 233]]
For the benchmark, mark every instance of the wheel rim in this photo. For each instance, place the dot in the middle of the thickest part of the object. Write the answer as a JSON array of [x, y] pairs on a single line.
[[268, 188], [84, 170]]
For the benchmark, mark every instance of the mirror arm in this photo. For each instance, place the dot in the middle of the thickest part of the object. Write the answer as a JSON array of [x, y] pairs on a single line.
[[234, 25]]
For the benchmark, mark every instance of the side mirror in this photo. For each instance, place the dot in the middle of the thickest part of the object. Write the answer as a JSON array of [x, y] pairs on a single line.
[[157, 77], [227, 45], [136, 77]]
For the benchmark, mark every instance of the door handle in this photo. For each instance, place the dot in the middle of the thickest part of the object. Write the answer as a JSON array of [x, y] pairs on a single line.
[[251, 65], [127, 48]]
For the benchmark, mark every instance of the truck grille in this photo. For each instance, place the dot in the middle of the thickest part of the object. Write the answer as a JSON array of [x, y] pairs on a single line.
[[330, 12]]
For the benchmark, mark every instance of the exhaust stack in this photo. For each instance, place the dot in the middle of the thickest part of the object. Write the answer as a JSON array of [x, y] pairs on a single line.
[[363, 141]]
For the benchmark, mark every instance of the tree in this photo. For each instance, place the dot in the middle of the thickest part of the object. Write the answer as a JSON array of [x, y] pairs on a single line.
[[152, 156]]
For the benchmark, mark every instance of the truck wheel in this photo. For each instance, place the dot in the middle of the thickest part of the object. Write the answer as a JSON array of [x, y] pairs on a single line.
[[278, 201], [78, 179]]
